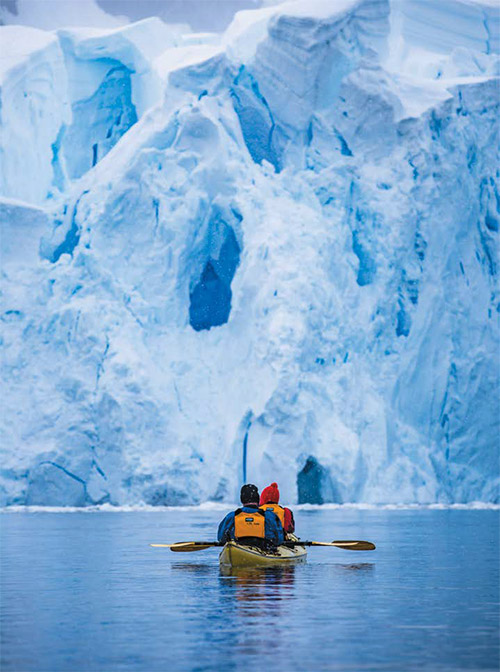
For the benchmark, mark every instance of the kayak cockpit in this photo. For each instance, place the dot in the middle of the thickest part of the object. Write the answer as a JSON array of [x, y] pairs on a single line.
[[236, 554]]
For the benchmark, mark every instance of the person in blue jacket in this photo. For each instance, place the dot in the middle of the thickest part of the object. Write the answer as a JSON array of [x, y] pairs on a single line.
[[251, 525]]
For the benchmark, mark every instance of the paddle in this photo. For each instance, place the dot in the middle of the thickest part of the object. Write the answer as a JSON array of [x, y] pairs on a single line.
[[190, 546], [346, 545]]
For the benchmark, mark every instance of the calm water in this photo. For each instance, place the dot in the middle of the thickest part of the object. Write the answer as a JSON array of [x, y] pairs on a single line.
[[84, 592]]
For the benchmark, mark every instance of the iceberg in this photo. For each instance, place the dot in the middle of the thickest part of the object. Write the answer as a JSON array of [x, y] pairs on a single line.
[[270, 255]]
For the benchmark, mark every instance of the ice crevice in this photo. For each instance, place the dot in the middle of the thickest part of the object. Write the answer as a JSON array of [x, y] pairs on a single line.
[[255, 117], [57, 487], [100, 364], [99, 121]]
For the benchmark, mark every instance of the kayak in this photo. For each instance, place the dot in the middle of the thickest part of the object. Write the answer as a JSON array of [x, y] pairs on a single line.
[[240, 555]]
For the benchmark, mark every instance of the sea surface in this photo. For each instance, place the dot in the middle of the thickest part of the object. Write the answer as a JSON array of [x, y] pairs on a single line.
[[85, 592]]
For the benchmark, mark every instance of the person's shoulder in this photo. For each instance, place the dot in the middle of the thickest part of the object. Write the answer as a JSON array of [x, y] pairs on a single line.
[[270, 515]]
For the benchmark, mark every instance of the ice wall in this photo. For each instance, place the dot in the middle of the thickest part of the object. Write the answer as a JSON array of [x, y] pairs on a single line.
[[285, 269], [33, 107], [67, 98]]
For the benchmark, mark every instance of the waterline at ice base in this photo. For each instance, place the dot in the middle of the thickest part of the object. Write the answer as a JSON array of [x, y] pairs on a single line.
[[266, 254]]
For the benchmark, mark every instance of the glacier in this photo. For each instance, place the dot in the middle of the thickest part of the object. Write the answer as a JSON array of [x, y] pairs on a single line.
[[267, 254]]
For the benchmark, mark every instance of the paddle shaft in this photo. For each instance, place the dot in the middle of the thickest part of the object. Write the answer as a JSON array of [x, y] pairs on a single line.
[[190, 546]]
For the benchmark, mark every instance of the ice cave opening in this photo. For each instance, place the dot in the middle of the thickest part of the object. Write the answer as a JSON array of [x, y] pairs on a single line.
[[210, 299], [314, 484]]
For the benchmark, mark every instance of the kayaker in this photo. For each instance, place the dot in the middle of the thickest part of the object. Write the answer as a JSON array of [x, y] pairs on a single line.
[[251, 525], [269, 500]]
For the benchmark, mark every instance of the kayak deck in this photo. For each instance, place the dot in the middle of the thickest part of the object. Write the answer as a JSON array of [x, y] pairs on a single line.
[[239, 555]]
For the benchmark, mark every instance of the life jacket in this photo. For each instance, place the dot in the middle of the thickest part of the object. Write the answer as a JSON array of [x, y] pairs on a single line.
[[249, 524], [277, 509]]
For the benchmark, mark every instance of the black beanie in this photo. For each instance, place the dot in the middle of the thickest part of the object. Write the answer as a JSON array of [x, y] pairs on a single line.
[[249, 494]]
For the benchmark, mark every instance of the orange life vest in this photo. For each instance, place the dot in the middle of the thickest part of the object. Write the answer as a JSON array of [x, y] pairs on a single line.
[[277, 509], [250, 524]]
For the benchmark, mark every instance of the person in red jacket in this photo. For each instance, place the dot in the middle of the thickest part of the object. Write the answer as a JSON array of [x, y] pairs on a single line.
[[269, 500]]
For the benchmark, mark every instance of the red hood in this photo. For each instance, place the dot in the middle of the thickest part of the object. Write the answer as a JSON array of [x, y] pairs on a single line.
[[270, 495]]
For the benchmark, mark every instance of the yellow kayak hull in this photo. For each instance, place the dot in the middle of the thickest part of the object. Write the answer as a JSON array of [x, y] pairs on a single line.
[[238, 555]]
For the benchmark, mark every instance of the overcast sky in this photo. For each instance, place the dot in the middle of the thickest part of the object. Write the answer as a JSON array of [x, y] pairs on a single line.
[[201, 15]]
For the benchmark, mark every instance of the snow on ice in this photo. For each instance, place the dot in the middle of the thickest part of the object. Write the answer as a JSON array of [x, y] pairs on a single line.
[[270, 254]]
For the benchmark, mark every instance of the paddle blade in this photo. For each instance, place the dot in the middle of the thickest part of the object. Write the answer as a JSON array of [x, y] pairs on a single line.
[[187, 546], [355, 545], [347, 545]]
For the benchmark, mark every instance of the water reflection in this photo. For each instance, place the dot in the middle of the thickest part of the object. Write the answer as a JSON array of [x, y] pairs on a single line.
[[193, 567], [270, 576], [250, 587], [358, 566]]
